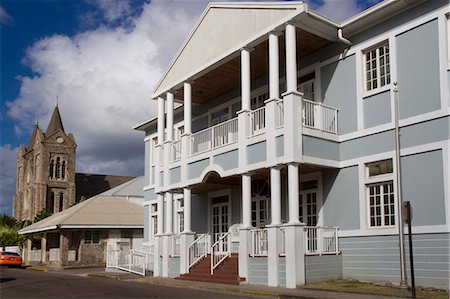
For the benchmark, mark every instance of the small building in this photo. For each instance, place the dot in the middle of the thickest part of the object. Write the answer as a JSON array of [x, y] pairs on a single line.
[[78, 236]]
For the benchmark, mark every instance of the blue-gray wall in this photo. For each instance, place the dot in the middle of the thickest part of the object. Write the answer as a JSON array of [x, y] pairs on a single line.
[[147, 163], [256, 152], [377, 109], [320, 268], [228, 160], [418, 70], [199, 213], [146, 223], [257, 270], [174, 267], [320, 148]]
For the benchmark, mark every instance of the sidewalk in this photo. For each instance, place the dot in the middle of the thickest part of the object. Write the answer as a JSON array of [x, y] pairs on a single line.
[[244, 289]]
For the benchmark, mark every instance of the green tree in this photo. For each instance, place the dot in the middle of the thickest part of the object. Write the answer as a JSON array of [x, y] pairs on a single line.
[[9, 227], [42, 215]]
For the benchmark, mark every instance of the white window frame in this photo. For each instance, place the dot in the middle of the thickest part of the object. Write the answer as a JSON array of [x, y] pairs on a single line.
[[380, 180], [180, 215], [257, 200], [154, 218], [153, 145], [378, 67], [447, 23]]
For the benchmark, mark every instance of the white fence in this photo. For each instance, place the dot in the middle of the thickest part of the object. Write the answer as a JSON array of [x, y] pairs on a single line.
[[319, 116], [257, 121], [35, 255], [215, 136], [53, 255], [317, 241], [138, 261]]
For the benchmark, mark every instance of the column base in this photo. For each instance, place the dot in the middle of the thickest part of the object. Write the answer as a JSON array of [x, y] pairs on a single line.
[[186, 238], [244, 251], [295, 254]]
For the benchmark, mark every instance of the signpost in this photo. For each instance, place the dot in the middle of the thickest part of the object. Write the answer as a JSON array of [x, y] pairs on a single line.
[[407, 218]]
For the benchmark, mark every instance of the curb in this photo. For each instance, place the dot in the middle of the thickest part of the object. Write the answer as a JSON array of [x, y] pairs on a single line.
[[107, 276], [37, 269]]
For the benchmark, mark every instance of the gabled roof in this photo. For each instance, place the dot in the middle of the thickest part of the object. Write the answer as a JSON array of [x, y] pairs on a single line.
[[88, 185], [55, 123], [97, 212], [209, 42], [134, 187]]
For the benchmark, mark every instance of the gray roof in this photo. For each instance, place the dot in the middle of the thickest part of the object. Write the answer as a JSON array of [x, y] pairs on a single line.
[[97, 212], [134, 187]]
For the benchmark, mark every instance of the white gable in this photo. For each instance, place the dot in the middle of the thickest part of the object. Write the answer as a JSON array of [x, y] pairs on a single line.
[[223, 29]]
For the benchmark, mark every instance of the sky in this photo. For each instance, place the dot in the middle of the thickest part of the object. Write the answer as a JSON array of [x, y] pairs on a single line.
[[101, 58]]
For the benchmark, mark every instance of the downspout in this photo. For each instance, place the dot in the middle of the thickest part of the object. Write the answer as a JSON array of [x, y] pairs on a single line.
[[342, 38]]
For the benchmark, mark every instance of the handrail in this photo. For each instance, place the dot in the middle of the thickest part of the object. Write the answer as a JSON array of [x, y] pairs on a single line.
[[319, 116], [220, 250], [257, 121], [215, 136], [198, 249]]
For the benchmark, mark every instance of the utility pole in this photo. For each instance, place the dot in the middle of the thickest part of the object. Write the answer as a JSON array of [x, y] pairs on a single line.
[[399, 194]]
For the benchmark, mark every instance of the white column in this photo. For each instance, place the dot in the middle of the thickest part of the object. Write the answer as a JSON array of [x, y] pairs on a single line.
[[187, 209], [169, 213], [160, 124], [169, 116], [245, 79], [44, 248], [291, 58], [273, 230], [160, 207], [167, 237], [246, 200], [187, 108], [157, 271], [274, 67], [293, 193]]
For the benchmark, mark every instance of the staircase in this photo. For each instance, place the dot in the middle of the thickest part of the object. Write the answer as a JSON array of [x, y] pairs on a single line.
[[226, 272]]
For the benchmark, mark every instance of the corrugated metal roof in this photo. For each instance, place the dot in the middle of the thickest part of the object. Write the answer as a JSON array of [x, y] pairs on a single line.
[[98, 211]]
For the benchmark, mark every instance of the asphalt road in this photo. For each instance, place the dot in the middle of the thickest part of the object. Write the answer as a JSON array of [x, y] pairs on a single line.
[[22, 283]]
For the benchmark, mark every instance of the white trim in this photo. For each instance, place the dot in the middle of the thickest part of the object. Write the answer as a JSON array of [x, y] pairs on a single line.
[[24, 232], [426, 229], [444, 57], [213, 194], [319, 192], [117, 226]]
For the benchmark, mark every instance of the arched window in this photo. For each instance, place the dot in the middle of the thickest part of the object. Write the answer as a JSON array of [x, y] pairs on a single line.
[[61, 201], [63, 170], [51, 203], [51, 168], [58, 168]]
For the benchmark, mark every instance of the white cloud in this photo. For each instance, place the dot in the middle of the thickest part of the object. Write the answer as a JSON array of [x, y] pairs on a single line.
[[8, 156], [5, 18], [338, 10]]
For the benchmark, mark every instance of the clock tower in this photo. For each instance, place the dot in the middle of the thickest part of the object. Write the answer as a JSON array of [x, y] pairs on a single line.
[[45, 171]]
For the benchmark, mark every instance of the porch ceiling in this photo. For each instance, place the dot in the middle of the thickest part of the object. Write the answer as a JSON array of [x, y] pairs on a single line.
[[226, 77]]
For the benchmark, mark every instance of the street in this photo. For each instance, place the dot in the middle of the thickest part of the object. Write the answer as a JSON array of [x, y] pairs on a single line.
[[22, 283]]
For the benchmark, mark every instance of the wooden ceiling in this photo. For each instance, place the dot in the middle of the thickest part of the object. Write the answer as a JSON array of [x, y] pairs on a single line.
[[226, 77]]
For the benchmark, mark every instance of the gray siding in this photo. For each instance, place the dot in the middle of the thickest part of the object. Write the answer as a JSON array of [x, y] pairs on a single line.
[[279, 146], [341, 198], [174, 267], [377, 109], [146, 223], [256, 152], [339, 90], [418, 70], [175, 175], [195, 169], [149, 194], [425, 132], [257, 270], [227, 160], [147, 163], [376, 258], [423, 186], [199, 213], [152, 175], [282, 271], [236, 205], [320, 148], [320, 268]]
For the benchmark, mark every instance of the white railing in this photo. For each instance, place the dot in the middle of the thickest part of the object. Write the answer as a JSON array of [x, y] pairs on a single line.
[[35, 255], [175, 154], [198, 249], [257, 121], [161, 155], [259, 242], [220, 250], [279, 114], [319, 116], [215, 136], [175, 245], [282, 242], [136, 261], [321, 240], [53, 255]]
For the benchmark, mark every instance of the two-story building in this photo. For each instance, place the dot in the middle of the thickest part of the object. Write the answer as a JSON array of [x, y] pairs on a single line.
[[297, 140]]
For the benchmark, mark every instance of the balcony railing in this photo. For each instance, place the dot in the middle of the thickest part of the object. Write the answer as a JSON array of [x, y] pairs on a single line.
[[215, 136], [319, 116], [257, 121], [175, 151], [317, 240], [279, 114]]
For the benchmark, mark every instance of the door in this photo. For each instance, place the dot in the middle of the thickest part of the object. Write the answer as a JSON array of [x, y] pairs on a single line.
[[219, 217], [260, 211], [308, 215]]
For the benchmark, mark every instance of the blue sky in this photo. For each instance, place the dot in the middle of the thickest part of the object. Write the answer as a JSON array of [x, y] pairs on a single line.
[[101, 58]]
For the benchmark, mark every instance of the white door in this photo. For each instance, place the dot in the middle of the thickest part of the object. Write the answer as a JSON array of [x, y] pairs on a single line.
[[219, 217], [308, 207], [260, 211]]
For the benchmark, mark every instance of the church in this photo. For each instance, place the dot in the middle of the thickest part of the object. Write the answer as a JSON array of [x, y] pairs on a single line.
[[46, 177]]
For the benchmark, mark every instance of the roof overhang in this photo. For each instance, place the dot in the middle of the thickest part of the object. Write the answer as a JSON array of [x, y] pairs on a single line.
[[37, 230], [94, 226]]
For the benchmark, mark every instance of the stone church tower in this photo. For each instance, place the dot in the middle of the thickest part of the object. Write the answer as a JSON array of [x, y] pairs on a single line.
[[45, 171]]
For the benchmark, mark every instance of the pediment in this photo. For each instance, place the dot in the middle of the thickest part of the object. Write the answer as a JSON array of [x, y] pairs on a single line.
[[222, 30]]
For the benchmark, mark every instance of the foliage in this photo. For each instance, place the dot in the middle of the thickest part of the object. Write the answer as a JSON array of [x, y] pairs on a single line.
[[9, 227], [42, 215]]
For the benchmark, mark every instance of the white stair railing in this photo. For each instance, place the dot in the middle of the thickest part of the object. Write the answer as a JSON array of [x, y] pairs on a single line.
[[220, 250], [198, 249], [259, 242]]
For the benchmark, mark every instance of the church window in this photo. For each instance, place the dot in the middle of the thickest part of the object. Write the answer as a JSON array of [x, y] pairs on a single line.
[[58, 168], [51, 203], [51, 168], [61, 201], [63, 170]]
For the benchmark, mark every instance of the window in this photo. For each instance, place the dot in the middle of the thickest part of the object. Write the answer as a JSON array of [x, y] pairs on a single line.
[[91, 237], [154, 217], [58, 168], [51, 203], [260, 211], [219, 116], [63, 170], [258, 100], [180, 215], [51, 168], [380, 193], [153, 145], [61, 201], [377, 67]]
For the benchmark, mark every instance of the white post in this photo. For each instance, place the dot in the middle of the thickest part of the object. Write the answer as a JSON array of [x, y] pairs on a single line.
[[245, 79], [160, 123], [44, 248], [169, 213], [157, 272], [273, 230], [167, 237], [187, 108], [293, 193], [244, 233], [169, 116], [291, 58], [187, 209]]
